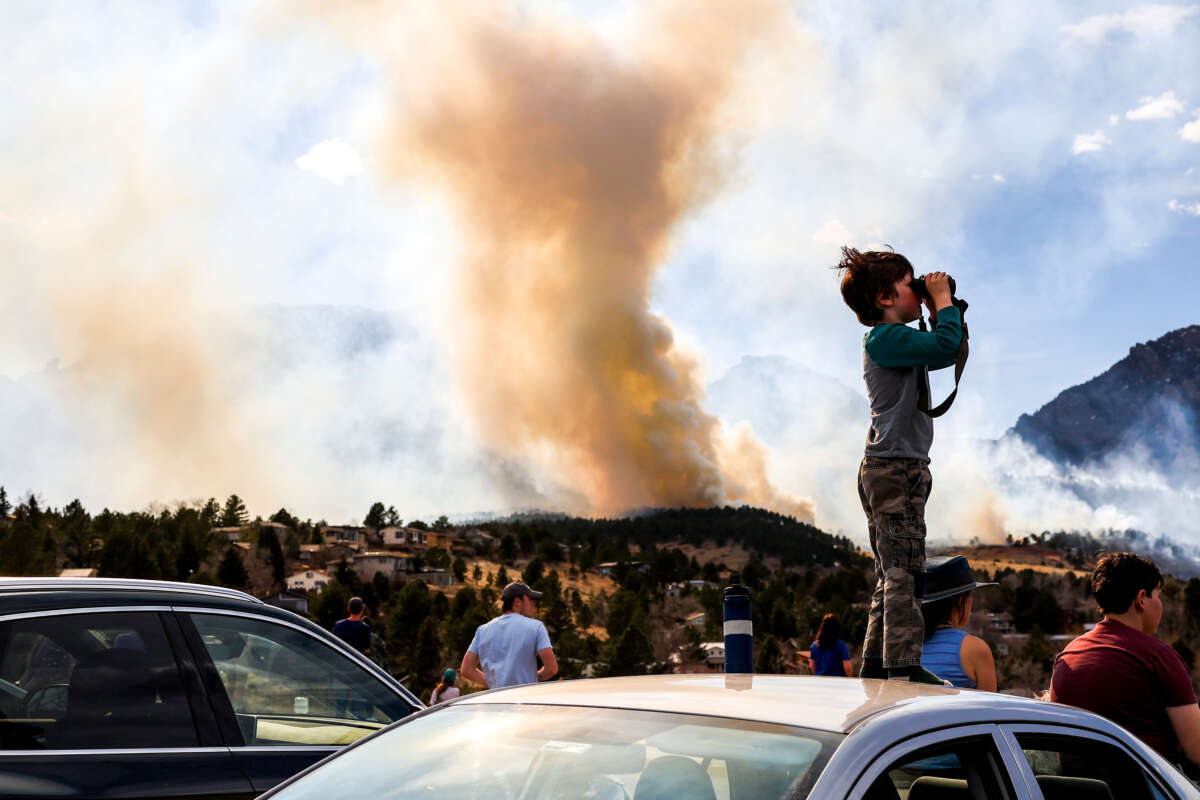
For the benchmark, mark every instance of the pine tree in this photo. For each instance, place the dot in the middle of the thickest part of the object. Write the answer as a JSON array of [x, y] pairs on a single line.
[[232, 572], [234, 513], [376, 517], [211, 512], [5, 506]]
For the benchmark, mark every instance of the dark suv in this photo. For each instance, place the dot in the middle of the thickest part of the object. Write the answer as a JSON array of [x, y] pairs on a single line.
[[149, 689]]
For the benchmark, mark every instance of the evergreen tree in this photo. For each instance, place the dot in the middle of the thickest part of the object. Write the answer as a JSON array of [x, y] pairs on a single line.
[[769, 658], [391, 517], [234, 513], [211, 512], [630, 653], [267, 540], [460, 569], [283, 517], [376, 516], [508, 548], [76, 528], [533, 572], [232, 572], [441, 523], [5, 506]]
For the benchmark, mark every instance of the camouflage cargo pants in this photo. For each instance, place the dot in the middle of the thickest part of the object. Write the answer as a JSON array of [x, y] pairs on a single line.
[[893, 493]]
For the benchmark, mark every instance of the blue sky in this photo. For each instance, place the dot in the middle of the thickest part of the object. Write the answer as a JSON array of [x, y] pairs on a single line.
[[207, 155]]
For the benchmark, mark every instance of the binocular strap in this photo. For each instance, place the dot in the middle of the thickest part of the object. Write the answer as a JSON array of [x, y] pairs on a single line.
[[960, 361]]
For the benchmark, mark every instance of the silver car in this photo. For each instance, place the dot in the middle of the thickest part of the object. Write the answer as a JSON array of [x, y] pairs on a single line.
[[734, 737]]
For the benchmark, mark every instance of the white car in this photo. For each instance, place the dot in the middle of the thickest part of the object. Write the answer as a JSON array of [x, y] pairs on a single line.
[[743, 737]]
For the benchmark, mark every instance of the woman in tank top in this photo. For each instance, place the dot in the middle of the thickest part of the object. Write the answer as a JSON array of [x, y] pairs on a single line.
[[949, 651]]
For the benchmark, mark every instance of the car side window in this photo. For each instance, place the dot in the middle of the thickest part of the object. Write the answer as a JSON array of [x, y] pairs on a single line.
[[91, 681], [290, 688], [1066, 767], [968, 768]]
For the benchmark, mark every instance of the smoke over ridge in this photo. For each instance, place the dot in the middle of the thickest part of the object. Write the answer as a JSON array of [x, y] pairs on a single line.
[[569, 164]]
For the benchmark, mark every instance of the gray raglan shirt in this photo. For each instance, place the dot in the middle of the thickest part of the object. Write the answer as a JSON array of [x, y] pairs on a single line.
[[896, 363]]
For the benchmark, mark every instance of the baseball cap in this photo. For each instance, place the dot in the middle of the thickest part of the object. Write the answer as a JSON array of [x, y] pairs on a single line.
[[518, 589]]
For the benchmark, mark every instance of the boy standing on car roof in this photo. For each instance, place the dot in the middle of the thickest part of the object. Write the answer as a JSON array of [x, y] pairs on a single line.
[[894, 479]]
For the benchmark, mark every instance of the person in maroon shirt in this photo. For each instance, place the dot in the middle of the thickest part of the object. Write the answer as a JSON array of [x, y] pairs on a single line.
[[1119, 670]]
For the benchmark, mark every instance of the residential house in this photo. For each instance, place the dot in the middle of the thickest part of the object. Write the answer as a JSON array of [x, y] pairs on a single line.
[[390, 564], [608, 567], [309, 580], [397, 537], [476, 537], [343, 534], [695, 620], [296, 602], [230, 533], [281, 531], [714, 654]]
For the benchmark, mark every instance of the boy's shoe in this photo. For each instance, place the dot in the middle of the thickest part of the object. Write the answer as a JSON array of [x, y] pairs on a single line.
[[873, 668], [916, 674]]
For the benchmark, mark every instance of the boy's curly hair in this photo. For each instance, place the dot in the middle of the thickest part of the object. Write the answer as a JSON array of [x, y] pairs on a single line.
[[867, 275], [1119, 576]]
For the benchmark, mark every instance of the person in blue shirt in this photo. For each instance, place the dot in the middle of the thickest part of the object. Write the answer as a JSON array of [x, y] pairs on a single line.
[[506, 651], [950, 652], [829, 655]]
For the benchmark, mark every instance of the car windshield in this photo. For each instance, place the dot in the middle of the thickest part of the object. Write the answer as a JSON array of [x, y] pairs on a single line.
[[530, 752]]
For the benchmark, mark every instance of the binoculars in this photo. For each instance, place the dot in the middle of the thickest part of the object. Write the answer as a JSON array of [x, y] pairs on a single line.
[[920, 290]]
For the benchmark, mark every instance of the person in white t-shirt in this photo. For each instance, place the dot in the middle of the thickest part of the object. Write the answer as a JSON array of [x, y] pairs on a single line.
[[505, 651], [446, 690]]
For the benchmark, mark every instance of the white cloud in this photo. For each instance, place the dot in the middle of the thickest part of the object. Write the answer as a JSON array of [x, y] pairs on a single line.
[[1165, 106], [1191, 131], [832, 232], [998, 178], [1185, 208], [1114, 120], [1090, 142], [1143, 21], [333, 160]]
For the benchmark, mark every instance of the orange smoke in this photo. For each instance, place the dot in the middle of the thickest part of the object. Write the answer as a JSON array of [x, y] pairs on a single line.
[[569, 165]]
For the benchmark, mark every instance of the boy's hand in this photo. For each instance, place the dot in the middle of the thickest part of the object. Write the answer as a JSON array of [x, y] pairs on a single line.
[[938, 284]]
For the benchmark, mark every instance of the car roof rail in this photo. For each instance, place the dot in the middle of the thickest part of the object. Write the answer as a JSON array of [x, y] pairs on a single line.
[[120, 585]]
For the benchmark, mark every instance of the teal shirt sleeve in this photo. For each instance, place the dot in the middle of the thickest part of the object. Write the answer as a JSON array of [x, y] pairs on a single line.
[[894, 345]]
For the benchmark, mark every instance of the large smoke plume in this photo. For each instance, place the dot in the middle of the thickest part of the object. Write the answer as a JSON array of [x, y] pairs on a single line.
[[569, 164]]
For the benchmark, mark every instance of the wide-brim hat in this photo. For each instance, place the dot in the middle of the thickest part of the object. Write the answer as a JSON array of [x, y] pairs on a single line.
[[947, 576]]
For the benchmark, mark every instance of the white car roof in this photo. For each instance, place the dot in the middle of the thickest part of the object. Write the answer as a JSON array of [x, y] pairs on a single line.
[[830, 704]]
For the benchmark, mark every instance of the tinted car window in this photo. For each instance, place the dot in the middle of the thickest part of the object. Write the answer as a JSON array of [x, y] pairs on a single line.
[[106, 680], [967, 768], [542, 752], [1067, 768], [290, 688]]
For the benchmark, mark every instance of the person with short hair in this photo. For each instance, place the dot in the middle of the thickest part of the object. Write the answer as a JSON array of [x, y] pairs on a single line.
[[950, 652], [445, 690], [354, 630], [505, 650], [1120, 670], [894, 479]]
